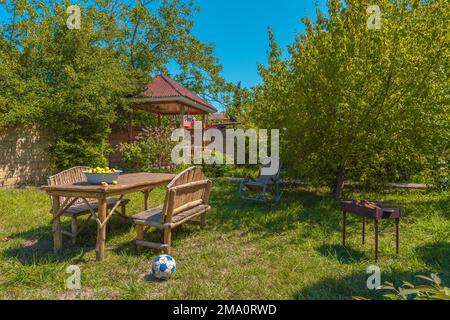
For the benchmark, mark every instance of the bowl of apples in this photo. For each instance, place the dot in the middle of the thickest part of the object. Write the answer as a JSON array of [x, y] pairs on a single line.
[[102, 176]]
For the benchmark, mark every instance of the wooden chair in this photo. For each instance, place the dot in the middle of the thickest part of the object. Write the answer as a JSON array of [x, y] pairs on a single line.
[[186, 197], [266, 182], [79, 207]]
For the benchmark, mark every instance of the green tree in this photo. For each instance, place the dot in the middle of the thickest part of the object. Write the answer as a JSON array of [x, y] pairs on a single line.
[[78, 82], [239, 100], [18, 104], [358, 103], [152, 34]]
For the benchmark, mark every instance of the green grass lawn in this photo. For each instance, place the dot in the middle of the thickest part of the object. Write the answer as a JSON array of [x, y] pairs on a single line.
[[247, 251]]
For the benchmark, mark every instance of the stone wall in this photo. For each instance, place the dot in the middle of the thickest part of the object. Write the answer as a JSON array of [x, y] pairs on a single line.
[[24, 158]]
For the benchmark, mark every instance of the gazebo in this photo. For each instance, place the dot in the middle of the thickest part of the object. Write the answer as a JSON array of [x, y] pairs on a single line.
[[165, 96]]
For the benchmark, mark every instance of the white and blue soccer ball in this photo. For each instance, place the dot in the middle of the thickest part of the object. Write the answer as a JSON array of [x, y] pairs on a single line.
[[163, 267]]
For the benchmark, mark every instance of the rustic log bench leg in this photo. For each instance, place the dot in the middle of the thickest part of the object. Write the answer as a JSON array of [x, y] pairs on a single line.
[[203, 220], [344, 218], [140, 234], [376, 240], [167, 240], [146, 196], [397, 236], [56, 226], [364, 231], [123, 211], [74, 225]]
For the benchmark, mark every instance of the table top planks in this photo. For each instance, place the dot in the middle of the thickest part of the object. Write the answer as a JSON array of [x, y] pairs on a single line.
[[126, 183]]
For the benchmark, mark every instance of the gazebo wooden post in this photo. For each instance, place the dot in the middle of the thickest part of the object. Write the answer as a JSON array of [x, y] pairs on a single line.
[[159, 120], [130, 126], [182, 116], [203, 131]]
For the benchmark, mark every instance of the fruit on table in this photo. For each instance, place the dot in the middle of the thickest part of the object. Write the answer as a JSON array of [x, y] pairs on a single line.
[[102, 170], [104, 184], [115, 182]]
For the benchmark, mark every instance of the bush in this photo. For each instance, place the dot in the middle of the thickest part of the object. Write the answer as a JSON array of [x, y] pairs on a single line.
[[216, 170], [224, 170], [152, 149], [442, 175], [210, 170], [409, 291], [68, 154], [433, 291], [437, 174]]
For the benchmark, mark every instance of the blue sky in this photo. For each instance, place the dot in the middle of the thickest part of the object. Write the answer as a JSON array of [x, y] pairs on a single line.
[[238, 28]]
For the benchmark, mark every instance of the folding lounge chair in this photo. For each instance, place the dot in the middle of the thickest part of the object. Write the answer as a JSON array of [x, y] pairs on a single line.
[[267, 183]]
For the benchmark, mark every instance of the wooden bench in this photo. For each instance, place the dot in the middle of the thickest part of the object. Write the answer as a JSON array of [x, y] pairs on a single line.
[[79, 208], [186, 197]]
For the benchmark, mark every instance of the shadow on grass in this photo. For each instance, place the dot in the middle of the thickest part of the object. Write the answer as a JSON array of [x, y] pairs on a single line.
[[436, 256], [297, 205], [342, 254], [154, 235], [229, 213], [355, 285], [149, 277], [37, 243]]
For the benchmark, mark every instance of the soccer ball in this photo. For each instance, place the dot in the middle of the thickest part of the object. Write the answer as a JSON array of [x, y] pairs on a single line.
[[163, 267]]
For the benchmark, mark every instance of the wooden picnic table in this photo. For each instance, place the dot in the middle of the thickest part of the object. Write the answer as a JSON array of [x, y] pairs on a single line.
[[127, 183]]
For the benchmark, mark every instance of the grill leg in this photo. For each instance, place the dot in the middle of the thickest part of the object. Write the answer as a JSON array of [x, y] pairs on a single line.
[[397, 236], [344, 220], [376, 240]]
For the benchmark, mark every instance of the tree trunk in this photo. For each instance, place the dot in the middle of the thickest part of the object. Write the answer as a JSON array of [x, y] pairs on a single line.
[[339, 184]]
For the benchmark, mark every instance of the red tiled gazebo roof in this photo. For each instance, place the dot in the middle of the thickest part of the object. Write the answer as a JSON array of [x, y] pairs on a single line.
[[166, 96]]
